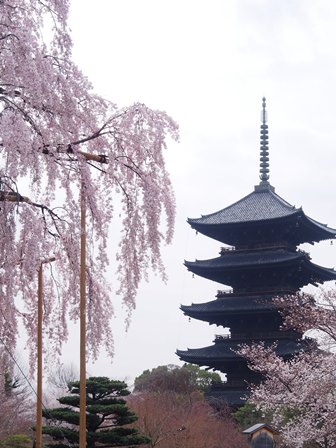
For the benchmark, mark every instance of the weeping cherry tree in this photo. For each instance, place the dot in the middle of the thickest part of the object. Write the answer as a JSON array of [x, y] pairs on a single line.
[[55, 134]]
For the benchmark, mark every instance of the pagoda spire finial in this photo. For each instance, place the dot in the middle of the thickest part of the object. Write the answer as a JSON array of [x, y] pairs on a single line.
[[264, 165]]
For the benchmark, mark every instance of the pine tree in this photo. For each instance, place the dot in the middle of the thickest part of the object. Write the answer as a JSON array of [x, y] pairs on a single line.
[[107, 415]]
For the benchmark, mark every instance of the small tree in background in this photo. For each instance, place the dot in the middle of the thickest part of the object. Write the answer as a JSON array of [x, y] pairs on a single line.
[[249, 415], [16, 410], [174, 420], [185, 379], [107, 415], [173, 412]]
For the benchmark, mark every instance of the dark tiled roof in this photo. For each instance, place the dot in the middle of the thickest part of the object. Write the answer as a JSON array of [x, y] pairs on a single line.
[[228, 268], [262, 205], [324, 227], [225, 351], [248, 258], [227, 304], [257, 206]]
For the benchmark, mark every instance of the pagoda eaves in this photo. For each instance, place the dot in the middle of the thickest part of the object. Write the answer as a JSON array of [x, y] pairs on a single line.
[[261, 208], [225, 350], [264, 266], [221, 310]]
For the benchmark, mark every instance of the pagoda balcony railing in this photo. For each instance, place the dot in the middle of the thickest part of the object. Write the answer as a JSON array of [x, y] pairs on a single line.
[[260, 336], [228, 249], [257, 247], [258, 290], [260, 246]]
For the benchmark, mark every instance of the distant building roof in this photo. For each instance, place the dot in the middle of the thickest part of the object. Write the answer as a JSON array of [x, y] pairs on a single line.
[[259, 426]]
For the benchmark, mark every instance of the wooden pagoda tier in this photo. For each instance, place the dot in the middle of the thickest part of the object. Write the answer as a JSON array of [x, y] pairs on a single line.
[[263, 263], [239, 312], [222, 354], [247, 270]]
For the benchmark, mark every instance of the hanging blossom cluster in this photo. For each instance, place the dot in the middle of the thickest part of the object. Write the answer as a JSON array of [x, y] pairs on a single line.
[[50, 121], [300, 393]]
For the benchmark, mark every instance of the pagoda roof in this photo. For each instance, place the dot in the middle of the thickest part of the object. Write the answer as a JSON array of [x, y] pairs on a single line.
[[256, 206], [226, 351], [239, 259], [225, 305], [263, 205], [232, 264], [224, 310]]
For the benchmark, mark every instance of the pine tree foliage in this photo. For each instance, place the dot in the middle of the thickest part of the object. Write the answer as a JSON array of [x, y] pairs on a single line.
[[107, 417], [248, 415]]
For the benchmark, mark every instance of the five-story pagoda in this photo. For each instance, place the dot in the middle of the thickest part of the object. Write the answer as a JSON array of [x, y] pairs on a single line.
[[259, 262]]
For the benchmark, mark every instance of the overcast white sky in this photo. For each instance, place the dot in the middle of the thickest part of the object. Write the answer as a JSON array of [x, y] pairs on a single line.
[[208, 64]]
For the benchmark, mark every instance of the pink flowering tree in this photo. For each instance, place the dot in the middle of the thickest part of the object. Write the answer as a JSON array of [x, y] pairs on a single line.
[[17, 410], [50, 120], [301, 393]]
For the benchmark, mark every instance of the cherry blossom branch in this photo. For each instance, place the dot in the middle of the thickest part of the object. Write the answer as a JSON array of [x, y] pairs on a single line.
[[24, 114], [11, 196]]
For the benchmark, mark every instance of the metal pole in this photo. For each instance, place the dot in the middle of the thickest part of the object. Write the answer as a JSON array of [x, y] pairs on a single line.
[[38, 435], [82, 305]]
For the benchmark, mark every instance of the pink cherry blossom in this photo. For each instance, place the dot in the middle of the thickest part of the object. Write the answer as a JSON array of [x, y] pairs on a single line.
[[49, 119], [300, 393]]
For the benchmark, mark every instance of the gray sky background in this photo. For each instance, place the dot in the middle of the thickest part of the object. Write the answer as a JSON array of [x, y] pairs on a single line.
[[208, 64]]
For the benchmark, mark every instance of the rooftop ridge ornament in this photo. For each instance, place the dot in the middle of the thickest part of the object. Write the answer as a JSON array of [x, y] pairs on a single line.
[[264, 152]]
